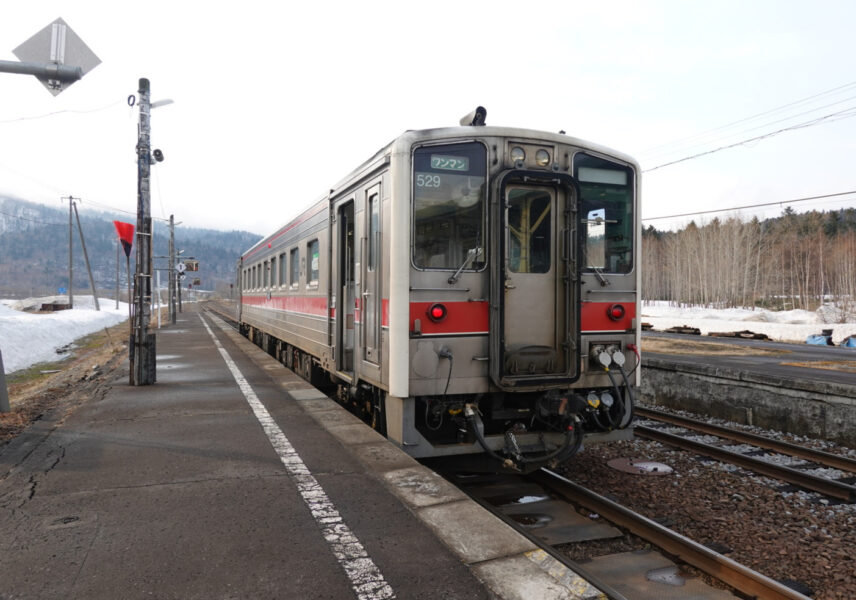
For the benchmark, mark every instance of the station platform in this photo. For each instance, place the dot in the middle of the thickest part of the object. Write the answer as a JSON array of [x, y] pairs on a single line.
[[231, 477]]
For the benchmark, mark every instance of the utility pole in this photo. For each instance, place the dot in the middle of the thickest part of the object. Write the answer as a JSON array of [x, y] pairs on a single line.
[[86, 258], [70, 267], [143, 353]]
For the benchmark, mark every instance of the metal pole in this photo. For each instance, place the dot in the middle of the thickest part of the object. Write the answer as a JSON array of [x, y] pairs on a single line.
[[158, 302], [70, 267], [171, 271], [143, 355], [86, 257], [117, 273], [45, 70]]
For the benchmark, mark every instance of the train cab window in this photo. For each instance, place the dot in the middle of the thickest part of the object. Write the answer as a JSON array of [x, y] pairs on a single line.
[[294, 271], [606, 211], [449, 185], [314, 260]]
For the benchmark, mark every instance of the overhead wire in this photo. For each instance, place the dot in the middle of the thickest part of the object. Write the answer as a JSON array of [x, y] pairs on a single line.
[[59, 112], [843, 114], [2, 212], [780, 202], [751, 118]]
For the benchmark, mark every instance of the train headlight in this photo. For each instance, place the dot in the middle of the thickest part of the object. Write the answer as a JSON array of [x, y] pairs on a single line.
[[437, 312], [542, 158], [518, 155]]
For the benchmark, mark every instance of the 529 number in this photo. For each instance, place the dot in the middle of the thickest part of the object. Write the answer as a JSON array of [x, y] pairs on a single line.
[[428, 180]]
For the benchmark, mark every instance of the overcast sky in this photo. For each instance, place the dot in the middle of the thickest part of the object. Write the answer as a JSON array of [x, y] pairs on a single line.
[[275, 101]]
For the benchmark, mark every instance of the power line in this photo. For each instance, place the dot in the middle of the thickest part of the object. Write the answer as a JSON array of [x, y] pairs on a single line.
[[780, 202], [59, 112], [844, 114], [31, 220], [751, 118]]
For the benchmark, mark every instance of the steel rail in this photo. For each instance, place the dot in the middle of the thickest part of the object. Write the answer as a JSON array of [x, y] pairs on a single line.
[[595, 580], [739, 576], [817, 456], [828, 487]]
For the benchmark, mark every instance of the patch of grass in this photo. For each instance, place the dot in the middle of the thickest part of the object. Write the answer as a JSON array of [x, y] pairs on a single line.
[[670, 346], [34, 373], [848, 366]]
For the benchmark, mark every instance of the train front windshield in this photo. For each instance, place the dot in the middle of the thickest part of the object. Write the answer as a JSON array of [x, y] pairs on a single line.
[[606, 210], [449, 184]]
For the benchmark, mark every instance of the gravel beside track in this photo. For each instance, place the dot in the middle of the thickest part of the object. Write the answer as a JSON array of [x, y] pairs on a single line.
[[786, 535]]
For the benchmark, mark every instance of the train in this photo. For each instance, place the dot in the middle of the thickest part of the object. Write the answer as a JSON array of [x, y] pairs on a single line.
[[469, 291]]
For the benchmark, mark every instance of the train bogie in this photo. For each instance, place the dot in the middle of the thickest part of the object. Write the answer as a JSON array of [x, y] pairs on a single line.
[[469, 290]]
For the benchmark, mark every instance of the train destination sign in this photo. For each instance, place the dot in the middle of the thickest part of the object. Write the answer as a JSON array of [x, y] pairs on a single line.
[[450, 163]]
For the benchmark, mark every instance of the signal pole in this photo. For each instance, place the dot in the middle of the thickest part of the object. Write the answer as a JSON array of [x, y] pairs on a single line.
[[143, 353], [171, 271]]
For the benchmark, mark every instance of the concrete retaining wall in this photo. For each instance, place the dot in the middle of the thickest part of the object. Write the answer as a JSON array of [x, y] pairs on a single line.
[[811, 408]]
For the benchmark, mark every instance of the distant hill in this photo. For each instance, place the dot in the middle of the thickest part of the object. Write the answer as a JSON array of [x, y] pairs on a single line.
[[34, 250]]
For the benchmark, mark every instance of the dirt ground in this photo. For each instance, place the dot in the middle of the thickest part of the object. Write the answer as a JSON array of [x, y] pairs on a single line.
[[63, 384]]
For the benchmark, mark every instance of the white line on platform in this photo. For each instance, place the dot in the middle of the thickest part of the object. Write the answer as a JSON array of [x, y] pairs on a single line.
[[366, 579]]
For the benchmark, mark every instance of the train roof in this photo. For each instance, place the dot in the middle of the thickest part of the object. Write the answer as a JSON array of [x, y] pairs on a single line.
[[403, 142]]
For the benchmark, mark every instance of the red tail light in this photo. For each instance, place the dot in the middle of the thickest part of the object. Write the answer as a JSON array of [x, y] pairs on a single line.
[[437, 312], [615, 312]]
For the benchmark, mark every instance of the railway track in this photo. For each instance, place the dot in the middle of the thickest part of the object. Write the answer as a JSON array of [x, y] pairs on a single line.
[[835, 488], [550, 510]]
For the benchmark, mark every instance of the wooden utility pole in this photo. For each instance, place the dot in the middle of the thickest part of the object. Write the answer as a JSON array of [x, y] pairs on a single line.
[[143, 354], [70, 266], [86, 258]]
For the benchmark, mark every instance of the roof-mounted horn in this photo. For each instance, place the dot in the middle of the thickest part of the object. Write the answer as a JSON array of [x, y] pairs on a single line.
[[475, 118]]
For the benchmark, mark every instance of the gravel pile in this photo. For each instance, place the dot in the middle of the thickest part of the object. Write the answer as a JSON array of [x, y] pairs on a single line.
[[783, 533]]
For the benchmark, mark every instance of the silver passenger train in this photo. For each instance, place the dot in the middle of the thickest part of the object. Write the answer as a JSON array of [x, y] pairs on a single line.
[[468, 290]]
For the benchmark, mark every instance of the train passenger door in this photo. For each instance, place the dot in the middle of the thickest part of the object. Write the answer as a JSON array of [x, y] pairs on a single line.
[[370, 307], [537, 285], [344, 288]]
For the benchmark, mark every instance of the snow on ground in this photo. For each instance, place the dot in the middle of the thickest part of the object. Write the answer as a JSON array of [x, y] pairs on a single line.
[[27, 338], [787, 326]]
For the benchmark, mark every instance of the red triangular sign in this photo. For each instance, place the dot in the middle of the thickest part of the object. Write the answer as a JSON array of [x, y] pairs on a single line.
[[126, 235]]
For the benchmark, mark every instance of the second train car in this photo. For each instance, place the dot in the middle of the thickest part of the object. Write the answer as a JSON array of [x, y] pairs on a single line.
[[470, 290]]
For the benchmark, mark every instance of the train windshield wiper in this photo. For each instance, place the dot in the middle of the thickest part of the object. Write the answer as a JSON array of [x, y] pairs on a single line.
[[472, 253]]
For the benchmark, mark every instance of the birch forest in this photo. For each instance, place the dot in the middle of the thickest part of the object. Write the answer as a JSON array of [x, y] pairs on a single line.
[[795, 261]]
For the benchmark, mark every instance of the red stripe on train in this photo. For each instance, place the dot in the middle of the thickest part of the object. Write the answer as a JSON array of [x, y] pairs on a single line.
[[594, 316], [461, 317]]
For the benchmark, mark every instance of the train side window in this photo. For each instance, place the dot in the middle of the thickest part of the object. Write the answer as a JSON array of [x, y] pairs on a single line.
[[374, 228], [283, 271], [607, 213], [295, 268], [266, 274], [449, 188], [312, 254]]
